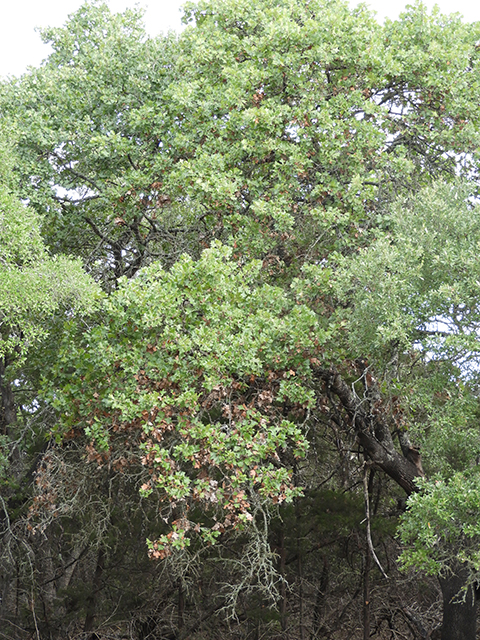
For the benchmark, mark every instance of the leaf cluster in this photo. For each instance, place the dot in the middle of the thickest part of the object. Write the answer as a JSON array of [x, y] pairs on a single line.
[[198, 374]]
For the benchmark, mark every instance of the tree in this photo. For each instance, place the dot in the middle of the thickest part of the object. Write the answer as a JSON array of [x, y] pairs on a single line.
[[297, 135], [37, 290], [417, 286], [193, 367], [33, 284], [260, 131]]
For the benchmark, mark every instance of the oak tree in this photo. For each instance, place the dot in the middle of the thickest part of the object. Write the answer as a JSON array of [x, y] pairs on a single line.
[[280, 203]]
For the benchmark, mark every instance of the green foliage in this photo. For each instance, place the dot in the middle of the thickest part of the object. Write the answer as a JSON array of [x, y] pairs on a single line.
[[33, 284], [441, 526], [283, 186], [283, 132], [414, 291], [198, 366], [82, 111], [442, 412], [417, 283]]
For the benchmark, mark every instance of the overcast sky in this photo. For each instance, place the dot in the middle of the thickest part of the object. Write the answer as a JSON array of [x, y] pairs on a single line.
[[20, 44]]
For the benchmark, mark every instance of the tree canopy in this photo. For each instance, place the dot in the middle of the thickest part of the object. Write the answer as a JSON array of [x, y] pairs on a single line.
[[239, 283]]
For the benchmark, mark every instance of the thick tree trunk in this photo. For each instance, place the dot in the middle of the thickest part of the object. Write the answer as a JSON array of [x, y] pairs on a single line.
[[459, 607], [374, 435]]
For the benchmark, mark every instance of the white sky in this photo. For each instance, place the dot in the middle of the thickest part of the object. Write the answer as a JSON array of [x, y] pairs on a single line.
[[20, 45]]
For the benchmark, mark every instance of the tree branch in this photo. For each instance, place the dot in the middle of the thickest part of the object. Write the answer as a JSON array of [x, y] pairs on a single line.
[[372, 433]]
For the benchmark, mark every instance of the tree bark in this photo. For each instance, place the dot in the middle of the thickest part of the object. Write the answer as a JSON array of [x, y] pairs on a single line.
[[373, 433], [459, 607], [374, 436]]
